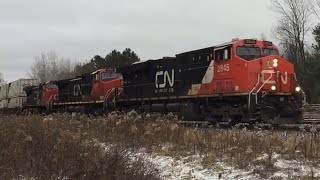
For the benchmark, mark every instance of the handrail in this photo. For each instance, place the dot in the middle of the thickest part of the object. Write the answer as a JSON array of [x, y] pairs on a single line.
[[265, 82], [261, 88], [117, 95], [254, 88], [106, 96], [49, 102], [249, 99]]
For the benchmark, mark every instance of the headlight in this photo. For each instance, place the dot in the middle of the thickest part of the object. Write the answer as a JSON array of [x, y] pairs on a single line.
[[273, 88], [298, 89], [275, 63]]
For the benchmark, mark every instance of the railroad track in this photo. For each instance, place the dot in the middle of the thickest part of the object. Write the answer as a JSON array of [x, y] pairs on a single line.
[[311, 113], [311, 119]]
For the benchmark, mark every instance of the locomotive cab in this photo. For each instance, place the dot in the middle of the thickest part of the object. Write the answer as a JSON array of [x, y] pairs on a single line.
[[48, 93], [106, 81]]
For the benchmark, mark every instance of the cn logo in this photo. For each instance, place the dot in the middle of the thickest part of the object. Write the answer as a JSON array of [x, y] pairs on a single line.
[[167, 78], [265, 77], [269, 74], [285, 78], [77, 90]]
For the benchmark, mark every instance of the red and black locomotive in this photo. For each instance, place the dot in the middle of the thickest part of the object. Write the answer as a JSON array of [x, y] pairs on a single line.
[[239, 81]]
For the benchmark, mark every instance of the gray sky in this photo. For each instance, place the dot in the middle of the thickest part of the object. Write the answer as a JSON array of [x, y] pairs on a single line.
[[80, 29]]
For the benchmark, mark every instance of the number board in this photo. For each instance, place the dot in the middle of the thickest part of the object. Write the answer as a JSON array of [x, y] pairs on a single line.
[[223, 68], [250, 41]]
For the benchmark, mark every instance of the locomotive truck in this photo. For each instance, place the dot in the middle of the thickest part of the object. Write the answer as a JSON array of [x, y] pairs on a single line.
[[238, 81]]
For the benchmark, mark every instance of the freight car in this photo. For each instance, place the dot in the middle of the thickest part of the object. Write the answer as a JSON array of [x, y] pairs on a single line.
[[12, 95], [238, 81]]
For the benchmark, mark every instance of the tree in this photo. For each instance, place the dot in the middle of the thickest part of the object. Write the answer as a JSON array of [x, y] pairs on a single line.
[[98, 62], [129, 57], [292, 27], [315, 7], [116, 59], [312, 70], [48, 66], [1, 79], [263, 37], [84, 68], [316, 34], [112, 60], [311, 75]]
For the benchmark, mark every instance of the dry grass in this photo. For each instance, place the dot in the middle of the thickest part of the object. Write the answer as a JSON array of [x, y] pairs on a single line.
[[59, 147], [65, 146]]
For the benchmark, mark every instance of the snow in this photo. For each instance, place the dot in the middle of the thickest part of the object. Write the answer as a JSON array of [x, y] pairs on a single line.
[[295, 168], [191, 168]]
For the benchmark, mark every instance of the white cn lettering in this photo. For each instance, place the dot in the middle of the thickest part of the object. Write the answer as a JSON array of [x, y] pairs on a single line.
[[77, 90], [285, 78], [267, 81], [160, 73], [166, 78]]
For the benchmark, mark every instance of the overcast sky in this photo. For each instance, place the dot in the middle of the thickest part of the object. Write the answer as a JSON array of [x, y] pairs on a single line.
[[80, 29]]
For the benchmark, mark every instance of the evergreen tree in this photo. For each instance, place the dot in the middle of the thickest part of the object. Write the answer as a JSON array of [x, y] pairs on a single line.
[[117, 59], [98, 62], [316, 34]]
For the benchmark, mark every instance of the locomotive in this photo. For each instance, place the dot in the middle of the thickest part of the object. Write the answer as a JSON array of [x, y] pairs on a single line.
[[239, 81]]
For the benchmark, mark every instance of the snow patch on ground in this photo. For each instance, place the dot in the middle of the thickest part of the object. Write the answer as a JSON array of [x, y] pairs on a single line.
[[191, 168], [294, 168], [291, 169]]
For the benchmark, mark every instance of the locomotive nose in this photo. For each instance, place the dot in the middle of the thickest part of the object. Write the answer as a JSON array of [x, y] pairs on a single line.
[[278, 75]]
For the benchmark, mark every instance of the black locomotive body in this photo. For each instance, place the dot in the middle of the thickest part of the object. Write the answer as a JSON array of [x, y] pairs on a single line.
[[166, 77], [75, 90]]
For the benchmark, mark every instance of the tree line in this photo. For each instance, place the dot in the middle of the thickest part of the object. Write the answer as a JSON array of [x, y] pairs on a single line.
[[295, 25], [49, 66]]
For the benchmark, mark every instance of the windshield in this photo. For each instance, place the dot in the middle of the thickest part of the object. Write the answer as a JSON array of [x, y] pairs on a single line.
[[249, 53], [109, 76], [267, 52], [52, 86]]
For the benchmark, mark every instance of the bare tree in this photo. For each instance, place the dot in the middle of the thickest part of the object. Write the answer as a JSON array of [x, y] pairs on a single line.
[[84, 68], [48, 66], [1, 79], [293, 26], [263, 37], [315, 7]]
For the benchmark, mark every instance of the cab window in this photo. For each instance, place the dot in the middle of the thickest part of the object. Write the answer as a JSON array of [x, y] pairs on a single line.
[[267, 52], [249, 53], [52, 86], [223, 54], [109, 76]]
